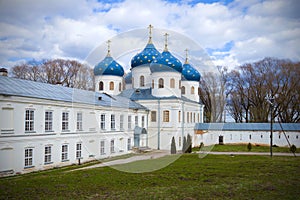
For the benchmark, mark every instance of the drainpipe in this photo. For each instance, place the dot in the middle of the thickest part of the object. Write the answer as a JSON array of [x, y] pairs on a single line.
[[158, 125], [182, 121], [147, 128]]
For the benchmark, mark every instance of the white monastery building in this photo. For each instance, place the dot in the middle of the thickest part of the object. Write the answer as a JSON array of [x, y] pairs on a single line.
[[44, 126]]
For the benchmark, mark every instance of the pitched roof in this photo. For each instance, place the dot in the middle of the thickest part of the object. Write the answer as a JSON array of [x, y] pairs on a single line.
[[18, 87], [146, 94], [247, 126]]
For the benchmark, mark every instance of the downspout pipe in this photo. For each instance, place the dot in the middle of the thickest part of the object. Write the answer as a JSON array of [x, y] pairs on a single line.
[[158, 125]]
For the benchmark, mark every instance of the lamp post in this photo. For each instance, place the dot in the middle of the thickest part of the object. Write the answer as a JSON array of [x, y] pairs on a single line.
[[270, 100]]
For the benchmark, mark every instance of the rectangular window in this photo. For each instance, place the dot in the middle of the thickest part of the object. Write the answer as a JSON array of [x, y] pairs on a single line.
[[64, 152], [129, 144], [102, 147], [187, 117], [29, 120], [194, 117], [166, 116], [65, 121], [102, 121], [153, 116], [143, 121], [28, 157], [78, 150], [112, 122], [112, 146], [129, 122], [79, 121], [48, 120], [179, 117], [121, 122], [179, 141], [136, 121], [47, 158]]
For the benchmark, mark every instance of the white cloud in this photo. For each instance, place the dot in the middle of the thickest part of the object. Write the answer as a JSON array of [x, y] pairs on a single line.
[[65, 28]]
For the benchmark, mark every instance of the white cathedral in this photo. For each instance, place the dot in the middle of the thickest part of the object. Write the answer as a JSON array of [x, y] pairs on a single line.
[[45, 126]]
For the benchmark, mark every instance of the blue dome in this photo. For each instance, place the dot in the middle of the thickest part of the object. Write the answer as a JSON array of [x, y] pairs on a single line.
[[190, 73], [146, 56], [166, 62], [108, 66]]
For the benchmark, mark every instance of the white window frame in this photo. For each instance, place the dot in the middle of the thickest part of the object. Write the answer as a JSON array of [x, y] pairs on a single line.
[[78, 150], [113, 122], [64, 152], [29, 120], [28, 157], [48, 157], [102, 121], [121, 122], [102, 147], [136, 120], [129, 122], [65, 121], [79, 117], [48, 120], [112, 146]]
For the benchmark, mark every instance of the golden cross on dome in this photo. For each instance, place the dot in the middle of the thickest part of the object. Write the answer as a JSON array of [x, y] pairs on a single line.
[[186, 56], [166, 41], [108, 47], [150, 33]]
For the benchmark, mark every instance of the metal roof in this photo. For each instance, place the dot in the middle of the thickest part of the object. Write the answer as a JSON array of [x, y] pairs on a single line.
[[146, 94], [18, 87], [247, 126]]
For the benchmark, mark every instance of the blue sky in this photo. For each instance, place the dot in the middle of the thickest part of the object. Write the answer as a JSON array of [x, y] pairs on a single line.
[[232, 32]]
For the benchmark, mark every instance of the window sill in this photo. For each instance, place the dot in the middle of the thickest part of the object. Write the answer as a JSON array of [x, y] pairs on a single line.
[[28, 167], [48, 163], [65, 130], [65, 160], [50, 131]]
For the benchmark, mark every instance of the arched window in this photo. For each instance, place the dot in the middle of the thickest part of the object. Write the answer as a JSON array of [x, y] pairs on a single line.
[[142, 81], [172, 83], [182, 90], [120, 87], [152, 84], [101, 86], [161, 83], [111, 85], [192, 90], [166, 116]]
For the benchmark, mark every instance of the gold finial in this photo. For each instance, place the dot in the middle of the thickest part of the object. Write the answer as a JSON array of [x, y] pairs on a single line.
[[166, 41], [108, 48], [150, 33], [186, 56]]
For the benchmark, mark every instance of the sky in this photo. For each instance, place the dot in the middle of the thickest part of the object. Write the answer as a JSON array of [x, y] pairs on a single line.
[[232, 32]]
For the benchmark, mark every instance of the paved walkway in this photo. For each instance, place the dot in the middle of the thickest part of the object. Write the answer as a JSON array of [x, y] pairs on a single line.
[[143, 156], [251, 153], [160, 153]]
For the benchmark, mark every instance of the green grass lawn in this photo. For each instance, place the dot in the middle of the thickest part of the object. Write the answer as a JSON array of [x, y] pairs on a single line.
[[243, 148], [189, 177]]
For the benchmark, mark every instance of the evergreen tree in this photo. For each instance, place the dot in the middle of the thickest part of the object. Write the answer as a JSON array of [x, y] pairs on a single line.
[[189, 144], [173, 146], [184, 145]]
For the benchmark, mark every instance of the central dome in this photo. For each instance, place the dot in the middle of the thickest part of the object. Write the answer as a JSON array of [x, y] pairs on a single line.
[[146, 56], [166, 62], [108, 66]]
